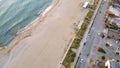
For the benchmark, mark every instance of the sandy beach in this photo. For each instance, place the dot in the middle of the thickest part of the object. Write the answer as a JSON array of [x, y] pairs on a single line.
[[49, 38]]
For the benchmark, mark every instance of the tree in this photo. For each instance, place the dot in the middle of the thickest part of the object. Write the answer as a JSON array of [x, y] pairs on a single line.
[[102, 65], [102, 35], [103, 57], [101, 50], [117, 53], [107, 44], [114, 26], [118, 60]]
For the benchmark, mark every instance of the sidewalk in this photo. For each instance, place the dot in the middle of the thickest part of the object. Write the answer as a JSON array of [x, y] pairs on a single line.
[[85, 35]]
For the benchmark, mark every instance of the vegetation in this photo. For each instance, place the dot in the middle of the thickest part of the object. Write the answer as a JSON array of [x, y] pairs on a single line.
[[85, 24], [70, 55], [111, 26], [76, 43], [95, 4], [118, 60], [117, 53], [101, 50], [93, 7], [107, 44], [107, 23], [82, 30], [69, 58], [102, 35], [108, 37], [114, 26], [90, 13], [114, 0], [110, 58], [102, 64], [103, 57]]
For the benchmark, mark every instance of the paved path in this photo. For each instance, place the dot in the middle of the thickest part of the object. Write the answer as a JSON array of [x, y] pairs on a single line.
[[93, 37]]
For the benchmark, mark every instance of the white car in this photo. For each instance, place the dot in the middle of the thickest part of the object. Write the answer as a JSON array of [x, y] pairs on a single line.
[[82, 60]]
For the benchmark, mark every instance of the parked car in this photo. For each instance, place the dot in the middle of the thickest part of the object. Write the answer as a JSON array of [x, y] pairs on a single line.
[[82, 60]]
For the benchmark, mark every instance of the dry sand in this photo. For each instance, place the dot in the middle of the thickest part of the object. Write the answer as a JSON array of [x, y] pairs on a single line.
[[46, 45]]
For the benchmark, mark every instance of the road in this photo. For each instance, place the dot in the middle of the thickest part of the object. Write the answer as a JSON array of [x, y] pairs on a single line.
[[93, 37]]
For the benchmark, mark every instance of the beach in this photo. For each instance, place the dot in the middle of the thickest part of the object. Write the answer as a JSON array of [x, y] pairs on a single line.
[[45, 42]]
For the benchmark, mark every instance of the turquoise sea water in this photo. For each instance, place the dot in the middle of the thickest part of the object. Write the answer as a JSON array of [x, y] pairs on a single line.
[[16, 14]]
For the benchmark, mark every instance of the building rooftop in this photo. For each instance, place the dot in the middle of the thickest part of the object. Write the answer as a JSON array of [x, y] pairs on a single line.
[[112, 64], [115, 34]]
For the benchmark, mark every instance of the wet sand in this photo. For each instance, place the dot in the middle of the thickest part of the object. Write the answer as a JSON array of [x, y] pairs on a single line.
[[49, 38]]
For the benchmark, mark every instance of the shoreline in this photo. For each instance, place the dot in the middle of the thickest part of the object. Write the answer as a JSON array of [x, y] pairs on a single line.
[[34, 22], [28, 29], [47, 44]]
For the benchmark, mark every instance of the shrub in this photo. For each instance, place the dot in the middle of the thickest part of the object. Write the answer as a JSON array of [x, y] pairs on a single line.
[[76, 43], [90, 13], [103, 57], [101, 50], [118, 60], [111, 26], [117, 53], [70, 55], [107, 23], [102, 35], [102, 65], [69, 58], [114, 26], [83, 29], [107, 44]]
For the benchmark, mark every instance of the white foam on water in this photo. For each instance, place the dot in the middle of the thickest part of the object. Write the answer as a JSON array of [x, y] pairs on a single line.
[[35, 21]]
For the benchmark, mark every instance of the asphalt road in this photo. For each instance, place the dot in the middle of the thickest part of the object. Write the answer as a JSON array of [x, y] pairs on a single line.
[[93, 37]]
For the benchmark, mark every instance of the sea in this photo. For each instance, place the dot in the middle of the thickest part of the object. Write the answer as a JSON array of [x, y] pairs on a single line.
[[17, 14]]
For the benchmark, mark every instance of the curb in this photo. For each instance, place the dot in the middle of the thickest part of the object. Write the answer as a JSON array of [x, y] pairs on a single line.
[[86, 33]]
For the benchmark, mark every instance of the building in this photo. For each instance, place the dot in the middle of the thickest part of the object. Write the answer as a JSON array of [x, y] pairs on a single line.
[[114, 15], [112, 64], [113, 11], [114, 34]]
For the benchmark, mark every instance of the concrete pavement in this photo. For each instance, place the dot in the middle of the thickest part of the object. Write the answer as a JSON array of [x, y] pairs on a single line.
[[93, 36], [85, 36]]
